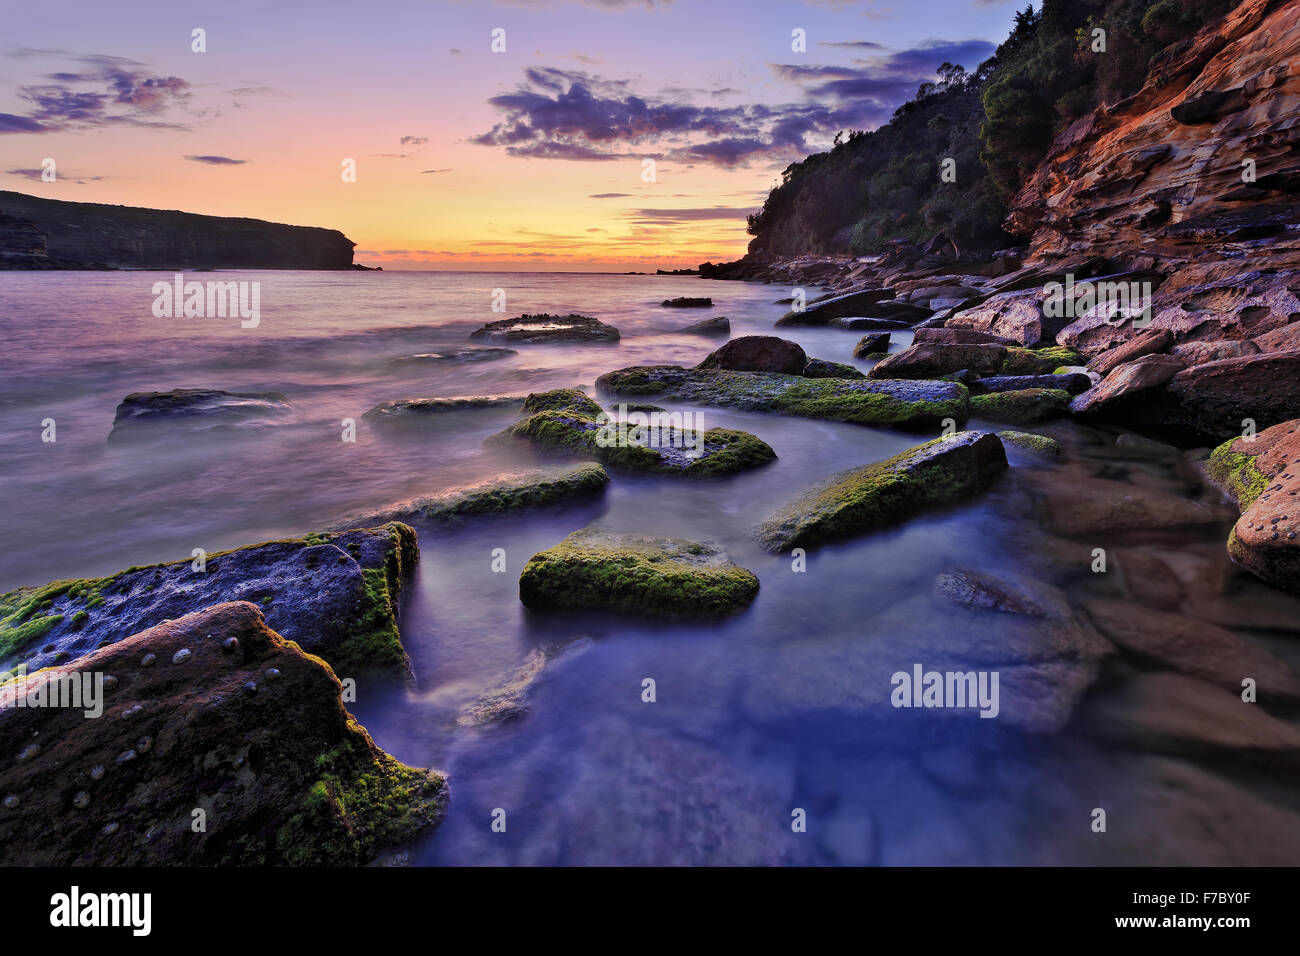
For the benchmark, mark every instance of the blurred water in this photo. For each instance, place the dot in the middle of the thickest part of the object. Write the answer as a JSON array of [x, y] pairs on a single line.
[[775, 709]]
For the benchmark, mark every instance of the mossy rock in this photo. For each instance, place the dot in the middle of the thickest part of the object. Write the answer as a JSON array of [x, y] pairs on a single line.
[[666, 450], [1025, 406], [1039, 445], [334, 593], [885, 402], [1236, 474], [821, 368], [657, 577], [877, 495], [1044, 361], [561, 400]]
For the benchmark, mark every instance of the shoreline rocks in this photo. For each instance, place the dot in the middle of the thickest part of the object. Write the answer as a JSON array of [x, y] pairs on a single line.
[[143, 414], [544, 328]]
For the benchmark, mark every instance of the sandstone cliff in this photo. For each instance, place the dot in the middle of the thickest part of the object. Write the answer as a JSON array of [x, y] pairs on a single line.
[[40, 233]]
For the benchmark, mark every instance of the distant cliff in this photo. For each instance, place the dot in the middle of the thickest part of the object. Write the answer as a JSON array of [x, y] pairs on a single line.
[[51, 234]]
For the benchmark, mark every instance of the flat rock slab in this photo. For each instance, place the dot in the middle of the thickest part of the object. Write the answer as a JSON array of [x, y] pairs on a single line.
[[657, 577], [335, 594], [1026, 406], [840, 306], [139, 414], [416, 409], [933, 361], [458, 356], [892, 403], [1073, 382], [544, 328], [506, 494], [877, 495], [213, 710]]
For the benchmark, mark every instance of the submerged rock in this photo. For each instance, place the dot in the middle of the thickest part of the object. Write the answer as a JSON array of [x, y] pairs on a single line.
[[897, 403], [335, 594], [566, 422], [506, 494], [687, 302], [457, 356], [718, 325], [415, 409], [871, 344], [658, 577], [1024, 407], [206, 407], [877, 495], [508, 699], [284, 775], [545, 328], [1039, 445], [758, 353]]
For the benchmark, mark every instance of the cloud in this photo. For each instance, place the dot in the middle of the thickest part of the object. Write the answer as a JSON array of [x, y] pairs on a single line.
[[35, 176], [413, 140], [568, 114], [609, 195], [217, 160], [434, 171], [101, 91], [668, 217], [857, 44]]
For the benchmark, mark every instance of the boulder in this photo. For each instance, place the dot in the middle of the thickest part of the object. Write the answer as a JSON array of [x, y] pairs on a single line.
[[933, 361], [212, 711], [335, 594], [897, 404], [1198, 353], [1143, 343], [143, 414], [820, 368], [758, 353], [1039, 361], [1072, 382], [656, 577], [545, 328], [1017, 316], [1125, 382], [1264, 476], [718, 325], [1206, 404], [877, 495], [871, 344], [949, 336], [1023, 407], [820, 313]]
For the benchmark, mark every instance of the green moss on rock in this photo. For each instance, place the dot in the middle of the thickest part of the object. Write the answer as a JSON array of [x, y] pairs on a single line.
[[561, 400], [1023, 361], [1022, 407], [880, 494], [1037, 444], [1236, 474], [658, 577]]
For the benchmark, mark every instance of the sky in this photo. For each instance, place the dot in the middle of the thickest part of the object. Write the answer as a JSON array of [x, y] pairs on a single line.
[[607, 135]]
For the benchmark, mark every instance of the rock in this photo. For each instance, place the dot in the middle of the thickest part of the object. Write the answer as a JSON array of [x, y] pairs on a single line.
[[1091, 506], [1072, 382], [947, 336], [547, 329], [508, 699], [1208, 106], [718, 325], [285, 776], [1207, 403], [1023, 407], [1015, 315], [417, 409], [897, 404], [657, 577], [1126, 382], [459, 356], [854, 303], [1198, 353], [1265, 475], [1146, 447], [1039, 445], [820, 368], [567, 423], [506, 494], [201, 407], [1284, 339], [871, 344], [1144, 343], [980, 593], [1040, 361], [877, 495], [686, 302], [758, 353], [335, 594], [1193, 647], [1170, 713], [862, 323], [932, 361]]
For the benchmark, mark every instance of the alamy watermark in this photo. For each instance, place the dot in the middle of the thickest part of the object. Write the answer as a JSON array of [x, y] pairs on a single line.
[[83, 690], [922, 688], [208, 300]]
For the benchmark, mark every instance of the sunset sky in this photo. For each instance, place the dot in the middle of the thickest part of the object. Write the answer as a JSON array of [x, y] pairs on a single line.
[[465, 158]]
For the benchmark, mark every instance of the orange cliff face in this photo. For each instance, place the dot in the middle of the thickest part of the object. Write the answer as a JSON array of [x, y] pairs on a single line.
[[1160, 178]]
